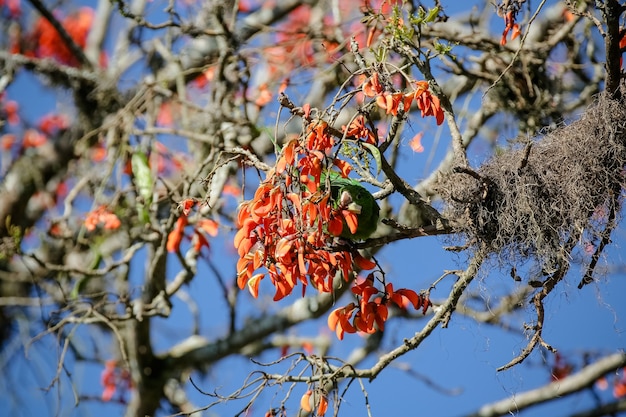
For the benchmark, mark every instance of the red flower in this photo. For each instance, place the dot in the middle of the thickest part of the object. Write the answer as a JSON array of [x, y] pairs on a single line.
[[619, 385], [186, 205], [510, 25], [561, 368], [6, 141], [390, 101], [33, 139], [358, 130], [176, 236], [108, 380], [50, 44], [371, 312], [50, 124], [372, 86], [427, 102], [416, 142], [113, 379], [10, 109], [339, 320], [102, 216], [322, 402]]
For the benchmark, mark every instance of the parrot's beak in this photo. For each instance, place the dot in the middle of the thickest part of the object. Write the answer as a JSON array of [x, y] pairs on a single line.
[[354, 208], [346, 201]]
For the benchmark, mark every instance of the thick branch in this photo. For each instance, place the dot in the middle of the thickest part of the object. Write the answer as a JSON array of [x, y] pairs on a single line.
[[612, 11], [573, 383]]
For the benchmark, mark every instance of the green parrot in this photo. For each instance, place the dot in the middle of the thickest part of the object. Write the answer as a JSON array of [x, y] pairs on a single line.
[[349, 194]]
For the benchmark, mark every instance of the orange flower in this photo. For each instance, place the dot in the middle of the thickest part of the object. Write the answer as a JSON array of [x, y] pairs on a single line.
[[6, 141], [209, 226], [619, 385], [283, 85], [403, 297], [108, 379], [253, 284], [390, 102], [358, 130], [232, 189], [351, 219], [113, 379], [264, 95], [308, 347], [186, 205], [176, 236], [11, 109], [305, 401], [416, 142], [33, 139], [510, 25], [102, 216], [322, 406], [98, 153], [372, 86], [318, 137], [561, 368], [371, 312], [364, 263], [365, 289], [50, 44], [427, 102], [289, 223], [205, 78], [602, 383], [50, 124], [619, 389], [343, 166], [339, 320], [166, 115], [199, 241]]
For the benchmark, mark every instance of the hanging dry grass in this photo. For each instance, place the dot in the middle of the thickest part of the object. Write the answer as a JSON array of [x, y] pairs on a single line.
[[538, 201]]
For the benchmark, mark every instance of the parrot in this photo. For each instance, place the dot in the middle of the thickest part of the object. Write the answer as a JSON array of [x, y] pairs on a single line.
[[349, 194]]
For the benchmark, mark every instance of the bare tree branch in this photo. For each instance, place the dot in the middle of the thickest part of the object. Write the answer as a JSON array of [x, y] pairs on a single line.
[[583, 379]]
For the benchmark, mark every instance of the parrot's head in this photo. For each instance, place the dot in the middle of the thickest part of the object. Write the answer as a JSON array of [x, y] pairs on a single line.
[[346, 200], [350, 195]]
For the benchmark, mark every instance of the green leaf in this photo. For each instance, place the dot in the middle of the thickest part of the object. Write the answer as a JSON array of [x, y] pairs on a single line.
[[143, 182], [432, 15], [375, 153]]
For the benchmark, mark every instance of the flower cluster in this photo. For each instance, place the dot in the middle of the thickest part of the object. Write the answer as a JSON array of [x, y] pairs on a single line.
[[561, 368], [510, 26], [317, 398], [619, 383], [51, 45], [114, 379], [102, 217], [289, 225], [358, 130], [389, 101], [371, 310], [201, 228]]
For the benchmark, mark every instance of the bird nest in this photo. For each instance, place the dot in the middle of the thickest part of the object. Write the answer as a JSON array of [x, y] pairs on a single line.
[[540, 199]]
